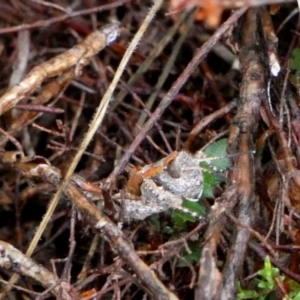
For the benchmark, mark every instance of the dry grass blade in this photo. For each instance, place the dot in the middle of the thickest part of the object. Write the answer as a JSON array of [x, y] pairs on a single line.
[[78, 57], [125, 224], [34, 168], [95, 123], [175, 88]]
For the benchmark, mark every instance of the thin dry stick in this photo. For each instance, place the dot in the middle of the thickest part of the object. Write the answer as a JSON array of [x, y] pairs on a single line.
[[76, 118], [23, 52], [207, 120], [78, 56], [83, 273], [177, 85], [105, 36], [55, 88], [12, 259], [146, 110], [36, 169], [52, 5], [154, 53], [98, 117], [166, 70], [47, 23]]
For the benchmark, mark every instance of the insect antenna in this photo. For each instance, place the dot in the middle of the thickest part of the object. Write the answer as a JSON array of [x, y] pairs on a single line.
[[218, 164]]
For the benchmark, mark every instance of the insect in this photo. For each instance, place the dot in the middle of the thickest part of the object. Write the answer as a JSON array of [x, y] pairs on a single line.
[[163, 185]]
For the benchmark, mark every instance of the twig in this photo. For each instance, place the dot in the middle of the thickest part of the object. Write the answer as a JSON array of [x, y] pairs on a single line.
[[99, 115], [168, 98], [47, 23], [84, 50], [20, 65], [32, 168], [207, 120], [78, 56], [166, 70], [13, 260], [154, 53], [241, 191]]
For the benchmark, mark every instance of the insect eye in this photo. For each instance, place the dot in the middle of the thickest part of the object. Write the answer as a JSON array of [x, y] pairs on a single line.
[[173, 169]]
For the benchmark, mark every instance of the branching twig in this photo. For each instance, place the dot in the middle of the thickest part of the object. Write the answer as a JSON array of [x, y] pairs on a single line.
[[13, 260], [32, 168], [79, 56], [168, 98]]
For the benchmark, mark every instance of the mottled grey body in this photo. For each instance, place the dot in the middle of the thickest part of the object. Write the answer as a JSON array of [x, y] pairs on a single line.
[[182, 177]]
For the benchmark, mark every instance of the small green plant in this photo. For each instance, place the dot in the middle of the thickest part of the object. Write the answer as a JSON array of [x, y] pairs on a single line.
[[295, 60], [295, 68], [265, 285], [295, 291]]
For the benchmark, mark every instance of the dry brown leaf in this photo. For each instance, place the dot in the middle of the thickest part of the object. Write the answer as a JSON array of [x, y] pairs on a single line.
[[209, 11]]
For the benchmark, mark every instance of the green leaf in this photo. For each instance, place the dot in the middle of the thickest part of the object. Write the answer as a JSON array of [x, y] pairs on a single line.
[[218, 152], [220, 161], [168, 230], [295, 290], [265, 285], [294, 285], [181, 218], [155, 223], [192, 257], [194, 206], [246, 294], [210, 181], [268, 273], [265, 281], [294, 295], [295, 59]]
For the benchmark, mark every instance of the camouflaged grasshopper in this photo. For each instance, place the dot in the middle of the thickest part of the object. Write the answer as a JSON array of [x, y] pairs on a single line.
[[163, 185]]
